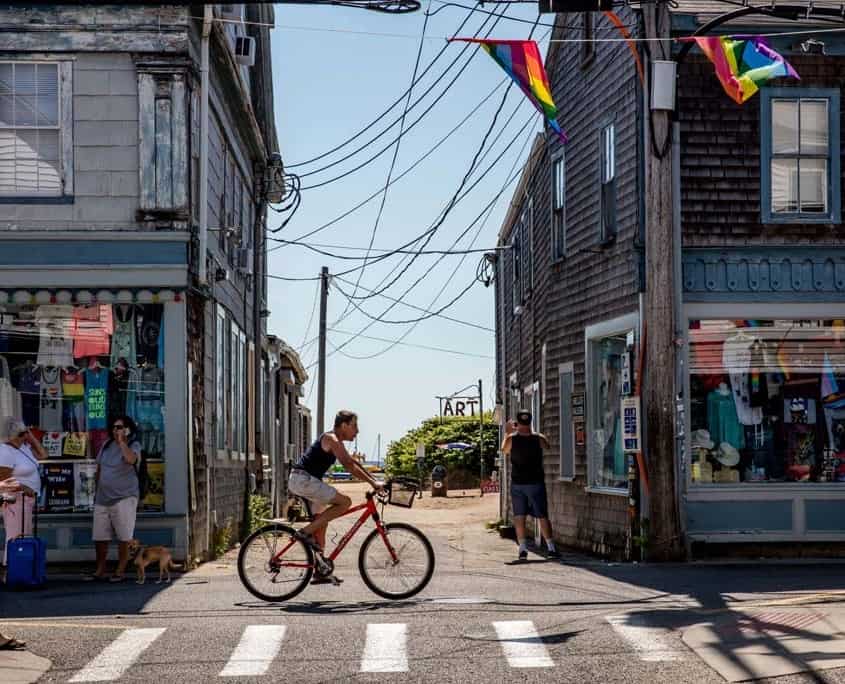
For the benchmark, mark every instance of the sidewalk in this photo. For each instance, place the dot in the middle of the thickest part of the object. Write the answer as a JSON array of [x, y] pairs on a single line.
[[21, 667]]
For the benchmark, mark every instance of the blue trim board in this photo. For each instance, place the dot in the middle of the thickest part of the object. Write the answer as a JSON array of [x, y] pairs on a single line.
[[22, 253], [774, 274], [739, 516], [163, 536], [825, 515], [833, 184]]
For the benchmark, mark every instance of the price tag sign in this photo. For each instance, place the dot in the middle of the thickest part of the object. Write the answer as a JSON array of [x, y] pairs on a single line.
[[631, 417]]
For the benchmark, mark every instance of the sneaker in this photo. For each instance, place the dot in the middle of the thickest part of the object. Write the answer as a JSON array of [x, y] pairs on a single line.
[[309, 540], [523, 555], [552, 553], [326, 579]]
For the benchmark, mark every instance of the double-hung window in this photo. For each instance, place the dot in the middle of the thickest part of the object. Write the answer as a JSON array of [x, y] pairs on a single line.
[[516, 269], [607, 176], [35, 128], [558, 207], [800, 155], [526, 228]]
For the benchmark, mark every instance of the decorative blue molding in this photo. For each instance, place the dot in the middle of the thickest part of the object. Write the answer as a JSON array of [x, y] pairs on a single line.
[[92, 253], [764, 275]]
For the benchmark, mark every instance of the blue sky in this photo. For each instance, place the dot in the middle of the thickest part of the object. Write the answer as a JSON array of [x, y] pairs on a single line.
[[329, 83]]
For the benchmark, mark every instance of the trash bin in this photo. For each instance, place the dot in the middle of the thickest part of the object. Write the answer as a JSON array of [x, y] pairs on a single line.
[[439, 485]]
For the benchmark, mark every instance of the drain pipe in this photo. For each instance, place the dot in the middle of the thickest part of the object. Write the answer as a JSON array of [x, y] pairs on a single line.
[[202, 267]]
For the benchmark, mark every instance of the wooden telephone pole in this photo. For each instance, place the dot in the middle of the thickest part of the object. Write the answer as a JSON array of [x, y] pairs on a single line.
[[664, 542]]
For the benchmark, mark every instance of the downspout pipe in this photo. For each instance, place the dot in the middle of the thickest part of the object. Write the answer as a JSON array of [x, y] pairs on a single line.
[[202, 267]]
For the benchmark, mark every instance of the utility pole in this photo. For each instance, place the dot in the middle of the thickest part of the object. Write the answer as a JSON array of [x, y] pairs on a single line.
[[378, 449], [481, 433], [321, 360], [659, 308]]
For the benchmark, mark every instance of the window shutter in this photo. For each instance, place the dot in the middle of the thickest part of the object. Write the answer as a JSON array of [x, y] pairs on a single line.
[[162, 141]]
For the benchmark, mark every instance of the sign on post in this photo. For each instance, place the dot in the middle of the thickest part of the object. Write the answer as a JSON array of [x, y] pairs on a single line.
[[631, 419], [458, 406]]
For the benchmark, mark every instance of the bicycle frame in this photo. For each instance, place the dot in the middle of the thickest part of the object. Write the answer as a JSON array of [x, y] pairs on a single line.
[[369, 511]]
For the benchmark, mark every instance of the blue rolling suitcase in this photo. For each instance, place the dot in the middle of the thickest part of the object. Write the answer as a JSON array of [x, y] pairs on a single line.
[[26, 559]]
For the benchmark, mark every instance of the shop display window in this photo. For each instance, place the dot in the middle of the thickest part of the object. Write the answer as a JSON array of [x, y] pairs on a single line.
[[767, 401], [607, 457], [66, 371]]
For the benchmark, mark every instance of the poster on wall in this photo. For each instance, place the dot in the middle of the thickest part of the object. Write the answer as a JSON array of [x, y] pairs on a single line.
[[41, 504], [85, 486], [59, 486], [154, 500]]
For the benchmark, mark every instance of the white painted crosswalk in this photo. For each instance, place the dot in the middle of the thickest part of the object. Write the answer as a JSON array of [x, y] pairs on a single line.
[[385, 648], [118, 656], [256, 651], [522, 645]]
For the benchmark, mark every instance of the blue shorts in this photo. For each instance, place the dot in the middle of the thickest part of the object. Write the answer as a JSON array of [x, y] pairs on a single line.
[[530, 499]]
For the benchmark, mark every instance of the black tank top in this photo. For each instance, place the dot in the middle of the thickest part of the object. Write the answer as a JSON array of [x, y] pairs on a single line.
[[526, 460], [315, 461]]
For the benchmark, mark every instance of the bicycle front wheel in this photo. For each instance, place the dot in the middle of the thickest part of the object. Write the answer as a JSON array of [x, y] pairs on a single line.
[[402, 573], [274, 566]]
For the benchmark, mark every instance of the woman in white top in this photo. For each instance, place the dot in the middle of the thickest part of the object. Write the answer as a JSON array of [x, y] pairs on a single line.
[[18, 461]]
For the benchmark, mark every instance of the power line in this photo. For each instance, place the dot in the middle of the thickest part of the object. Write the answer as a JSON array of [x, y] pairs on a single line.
[[398, 100], [423, 309], [395, 156], [406, 171], [311, 317], [411, 344], [407, 130], [346, 257]]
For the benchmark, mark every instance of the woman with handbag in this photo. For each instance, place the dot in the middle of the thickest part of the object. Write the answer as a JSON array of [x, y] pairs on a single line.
[[19, 456]]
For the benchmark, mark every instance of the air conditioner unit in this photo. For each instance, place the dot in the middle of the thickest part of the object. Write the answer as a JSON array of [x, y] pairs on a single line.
[[245, 259], [245, 50], [232, 11]]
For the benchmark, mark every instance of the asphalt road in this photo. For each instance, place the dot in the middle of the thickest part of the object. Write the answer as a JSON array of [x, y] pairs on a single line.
[[482, 619]]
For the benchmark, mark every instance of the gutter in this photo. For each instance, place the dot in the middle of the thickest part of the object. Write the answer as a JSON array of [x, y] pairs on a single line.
[[202, 267]]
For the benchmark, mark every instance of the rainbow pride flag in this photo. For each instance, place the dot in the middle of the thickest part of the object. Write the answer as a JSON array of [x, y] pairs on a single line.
[[522, 62], [743, 65]]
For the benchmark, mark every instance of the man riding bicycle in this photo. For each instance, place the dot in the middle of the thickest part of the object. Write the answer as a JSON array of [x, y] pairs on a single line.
[[306, 481]]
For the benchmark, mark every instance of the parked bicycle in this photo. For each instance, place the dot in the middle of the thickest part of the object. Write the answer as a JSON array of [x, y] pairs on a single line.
[[396, 560]]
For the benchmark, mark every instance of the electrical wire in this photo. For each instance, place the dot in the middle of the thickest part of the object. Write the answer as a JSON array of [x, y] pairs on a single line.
[[410, 127], [418, 346], [405, 172], [311, 317], [424, 310], [395, 103], [395, 156], [346, 257]]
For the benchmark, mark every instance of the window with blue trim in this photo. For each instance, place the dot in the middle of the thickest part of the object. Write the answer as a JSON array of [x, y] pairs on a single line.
[[800, 155]]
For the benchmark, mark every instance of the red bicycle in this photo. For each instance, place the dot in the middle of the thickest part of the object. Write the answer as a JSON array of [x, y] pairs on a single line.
[[396, 560]]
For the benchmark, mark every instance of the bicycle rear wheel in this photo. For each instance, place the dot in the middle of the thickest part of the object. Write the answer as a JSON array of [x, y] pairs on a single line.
[[408, 574], [270, 578]]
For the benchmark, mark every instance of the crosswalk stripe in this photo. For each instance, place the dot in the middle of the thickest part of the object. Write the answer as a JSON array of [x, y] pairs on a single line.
[[119, 655], [258, 647], [386, 649], [648, 641], [522, 645]]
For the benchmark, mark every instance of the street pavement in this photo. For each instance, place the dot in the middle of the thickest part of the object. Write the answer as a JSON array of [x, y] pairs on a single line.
[[483, 618]]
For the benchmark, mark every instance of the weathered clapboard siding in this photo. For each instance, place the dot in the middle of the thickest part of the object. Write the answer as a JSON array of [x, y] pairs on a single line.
[[720, 159], [594, 282]]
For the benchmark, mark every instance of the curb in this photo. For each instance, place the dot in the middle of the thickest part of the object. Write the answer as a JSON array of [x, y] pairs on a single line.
[[22, 667]]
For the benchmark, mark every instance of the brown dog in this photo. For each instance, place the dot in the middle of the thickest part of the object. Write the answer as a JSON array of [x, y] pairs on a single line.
[[144, 555]]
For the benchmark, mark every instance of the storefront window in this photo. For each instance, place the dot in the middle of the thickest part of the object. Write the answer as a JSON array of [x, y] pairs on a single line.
[[67, 371], [607, 458], [767, 401]]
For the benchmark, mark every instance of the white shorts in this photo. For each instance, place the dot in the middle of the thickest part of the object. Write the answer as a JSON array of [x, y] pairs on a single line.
[[309, 487], [118, 518]]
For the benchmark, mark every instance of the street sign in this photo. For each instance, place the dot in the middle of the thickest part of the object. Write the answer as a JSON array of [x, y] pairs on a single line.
[[458, 406], [631, 424], [420, 453]]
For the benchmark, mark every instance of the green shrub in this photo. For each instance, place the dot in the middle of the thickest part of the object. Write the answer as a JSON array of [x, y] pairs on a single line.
[[402, 454], [259, 507]]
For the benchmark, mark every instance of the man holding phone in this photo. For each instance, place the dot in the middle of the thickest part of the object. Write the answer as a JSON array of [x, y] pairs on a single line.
[[525, 447]]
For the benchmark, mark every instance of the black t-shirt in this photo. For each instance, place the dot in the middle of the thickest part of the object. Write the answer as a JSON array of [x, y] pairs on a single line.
[[526, 460]]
